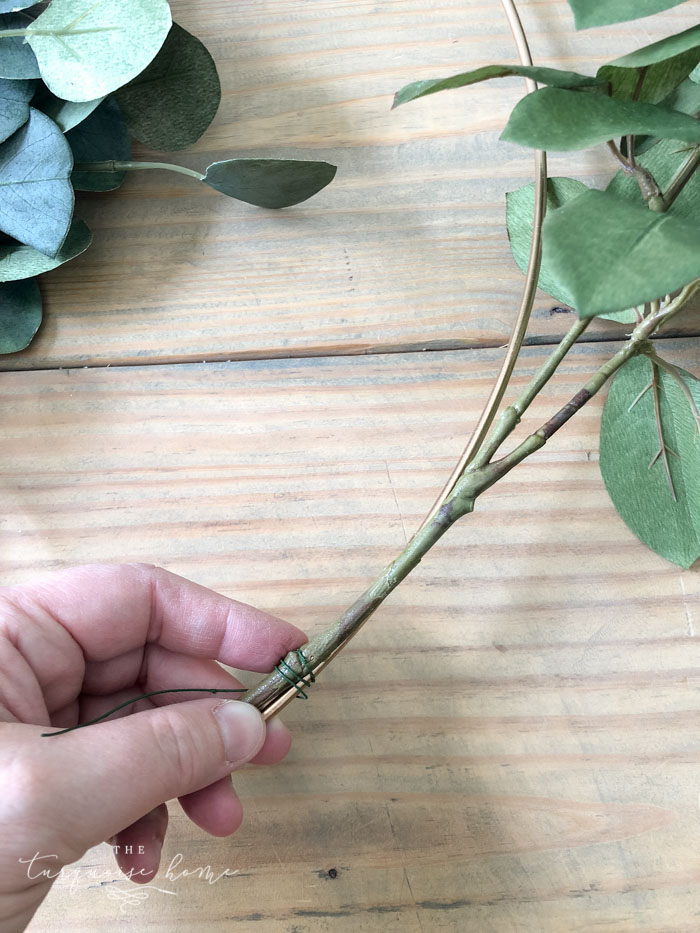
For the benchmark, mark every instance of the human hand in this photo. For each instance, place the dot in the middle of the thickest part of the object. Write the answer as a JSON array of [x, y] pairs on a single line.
[[76, 644]]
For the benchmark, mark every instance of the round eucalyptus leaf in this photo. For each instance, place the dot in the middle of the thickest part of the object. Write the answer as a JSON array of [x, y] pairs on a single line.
[[101, 137], [20, 314], [18, 261], [88, 48], [65, 113], [269, 182], [37, 200], [17, 60], [172, 102], [14, 105]]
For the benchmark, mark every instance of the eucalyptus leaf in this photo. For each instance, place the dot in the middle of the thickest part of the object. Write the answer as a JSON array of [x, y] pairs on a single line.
[[562, 120], [662, 50], [17, 60], [172, 102], [663, 161], [695, 75], [11, 6], [551, 76], [686, 98], [269, 182], [18, 261], [653, 83], [88, 48], [635, 478], [65, 113], [14, 105], [588, 13], [99, 138], [520, 209], [20, 314], [37, 202], [613, 255]]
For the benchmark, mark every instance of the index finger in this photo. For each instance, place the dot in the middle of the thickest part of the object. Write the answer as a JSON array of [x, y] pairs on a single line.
[[111, 609]]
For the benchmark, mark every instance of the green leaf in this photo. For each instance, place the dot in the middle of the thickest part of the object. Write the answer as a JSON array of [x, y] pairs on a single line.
[[662, 161], [662, 50], [101, 137], [520, 209], [20, 314], [17, 60], [629, 442], [564, 120], [14, 105], [10, 6], [613, 255], [88, 48], [686, 99], [18, 261], [171, 103], [550, 76], [695, 75], [37, 201], [588, 13], [652, 84], [269, 182], [65, 113]]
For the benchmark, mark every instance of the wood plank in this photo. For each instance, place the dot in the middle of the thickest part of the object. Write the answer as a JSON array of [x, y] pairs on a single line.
[[512, 744], [407, 248]]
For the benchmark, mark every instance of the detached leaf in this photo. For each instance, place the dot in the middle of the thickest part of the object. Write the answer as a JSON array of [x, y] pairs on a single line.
[[629, 443], [17, 60], [550, 76], [588, 13], [564, 120], [663, 161], [101, 137], [37, 201], [20, 314], [14, 105], [520, 211], [170, 104], [269, 182], [65, 113], [613, 255], [18, 261], [88, 48]]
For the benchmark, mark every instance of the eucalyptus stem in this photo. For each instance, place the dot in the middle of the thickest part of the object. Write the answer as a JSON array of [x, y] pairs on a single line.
[[113, 166], [323, 648], [682, 177]]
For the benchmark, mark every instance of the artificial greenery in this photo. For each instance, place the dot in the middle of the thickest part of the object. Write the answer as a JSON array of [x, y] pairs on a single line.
[[78, 80]]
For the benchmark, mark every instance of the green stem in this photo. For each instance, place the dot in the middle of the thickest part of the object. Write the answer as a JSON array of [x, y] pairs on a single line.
[[682, 177], [510, 416], [324, 647], [113, 166]]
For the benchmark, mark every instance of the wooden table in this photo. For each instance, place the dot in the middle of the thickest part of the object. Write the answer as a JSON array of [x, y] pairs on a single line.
[[238, 395]]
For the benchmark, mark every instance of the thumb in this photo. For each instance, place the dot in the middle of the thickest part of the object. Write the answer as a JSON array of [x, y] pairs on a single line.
[[105, 777]]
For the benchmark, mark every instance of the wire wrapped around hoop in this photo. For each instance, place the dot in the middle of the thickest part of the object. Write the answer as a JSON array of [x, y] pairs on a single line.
[[293, 681]]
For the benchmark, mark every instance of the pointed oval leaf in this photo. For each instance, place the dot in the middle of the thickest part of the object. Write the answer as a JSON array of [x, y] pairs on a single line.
[[269, 182], [663, 161], [20, 314], [661, 50], [564, 120], [18, 261], [37, 201], [101, 137], [172, 102], [686, 98], [65, 113], [520, 210], [14, 105], [588, 13], [633, 474], [88, 48], [551, 76], [17, 60], [651, 84], [612, 254]]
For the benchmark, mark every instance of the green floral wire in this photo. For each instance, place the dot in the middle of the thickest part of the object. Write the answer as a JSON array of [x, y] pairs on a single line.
[[305, 671]]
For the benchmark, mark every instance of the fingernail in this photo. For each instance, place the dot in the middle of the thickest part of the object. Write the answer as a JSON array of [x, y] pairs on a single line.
[[242, 729]]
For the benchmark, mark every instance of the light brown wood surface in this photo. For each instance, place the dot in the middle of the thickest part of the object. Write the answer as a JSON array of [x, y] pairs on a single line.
[[512, 742]]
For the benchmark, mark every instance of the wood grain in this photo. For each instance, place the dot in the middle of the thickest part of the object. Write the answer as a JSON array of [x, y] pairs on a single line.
[[512, 744], [407, 249]]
